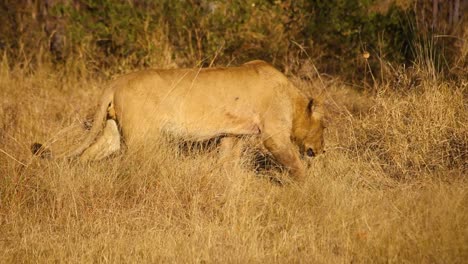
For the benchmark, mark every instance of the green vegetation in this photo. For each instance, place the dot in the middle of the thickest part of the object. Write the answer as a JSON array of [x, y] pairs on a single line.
[[107, 34]]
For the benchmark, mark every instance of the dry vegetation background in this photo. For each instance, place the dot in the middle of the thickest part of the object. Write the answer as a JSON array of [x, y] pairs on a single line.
[[391, 187]]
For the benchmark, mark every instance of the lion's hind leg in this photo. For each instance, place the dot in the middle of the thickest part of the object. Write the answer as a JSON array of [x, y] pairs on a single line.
[[107, 144]]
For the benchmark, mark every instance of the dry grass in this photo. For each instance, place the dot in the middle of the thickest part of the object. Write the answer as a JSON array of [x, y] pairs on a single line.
[[391, 187]]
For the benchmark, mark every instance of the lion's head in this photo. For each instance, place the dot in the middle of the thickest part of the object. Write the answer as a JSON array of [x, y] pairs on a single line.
[[309, 129]]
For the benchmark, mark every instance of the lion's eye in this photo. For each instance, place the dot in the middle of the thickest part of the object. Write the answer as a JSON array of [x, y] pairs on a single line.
[[310, 152]]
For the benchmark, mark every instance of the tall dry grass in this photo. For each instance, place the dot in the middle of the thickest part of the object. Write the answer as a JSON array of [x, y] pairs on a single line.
[[391, 188]]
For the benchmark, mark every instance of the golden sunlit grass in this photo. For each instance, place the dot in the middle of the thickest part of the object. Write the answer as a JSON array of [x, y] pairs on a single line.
[[391, 187]]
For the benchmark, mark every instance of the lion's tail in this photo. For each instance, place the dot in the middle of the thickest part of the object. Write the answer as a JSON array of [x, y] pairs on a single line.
[[99, 116]]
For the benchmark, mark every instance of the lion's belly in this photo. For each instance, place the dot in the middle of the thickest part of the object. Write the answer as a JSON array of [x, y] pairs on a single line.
[[193, 128], [191, 120], [206, 116], [203, 125]]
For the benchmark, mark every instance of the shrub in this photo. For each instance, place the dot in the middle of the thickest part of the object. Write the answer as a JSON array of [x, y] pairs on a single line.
[[115, 35]]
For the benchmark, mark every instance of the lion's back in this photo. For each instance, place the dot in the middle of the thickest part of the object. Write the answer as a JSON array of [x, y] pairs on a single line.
[[202, 102]]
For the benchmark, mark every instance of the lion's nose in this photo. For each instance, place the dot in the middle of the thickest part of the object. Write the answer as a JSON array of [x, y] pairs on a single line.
[[310, 152]]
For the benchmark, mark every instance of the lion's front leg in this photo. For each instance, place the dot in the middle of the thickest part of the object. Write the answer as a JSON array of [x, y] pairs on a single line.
[[230, 147], [106, 144], [230, 151], [285, 152]]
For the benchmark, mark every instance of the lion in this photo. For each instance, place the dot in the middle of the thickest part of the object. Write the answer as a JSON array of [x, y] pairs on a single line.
[[199, 104]]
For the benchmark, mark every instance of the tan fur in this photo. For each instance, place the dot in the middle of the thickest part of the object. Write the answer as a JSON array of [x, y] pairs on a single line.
[[204, 103]]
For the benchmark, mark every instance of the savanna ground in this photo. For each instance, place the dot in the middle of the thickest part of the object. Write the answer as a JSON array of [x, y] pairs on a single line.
[[391, 187]]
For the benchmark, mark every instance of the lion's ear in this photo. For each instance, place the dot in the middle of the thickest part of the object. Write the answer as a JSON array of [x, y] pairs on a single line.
[[310, 105]]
